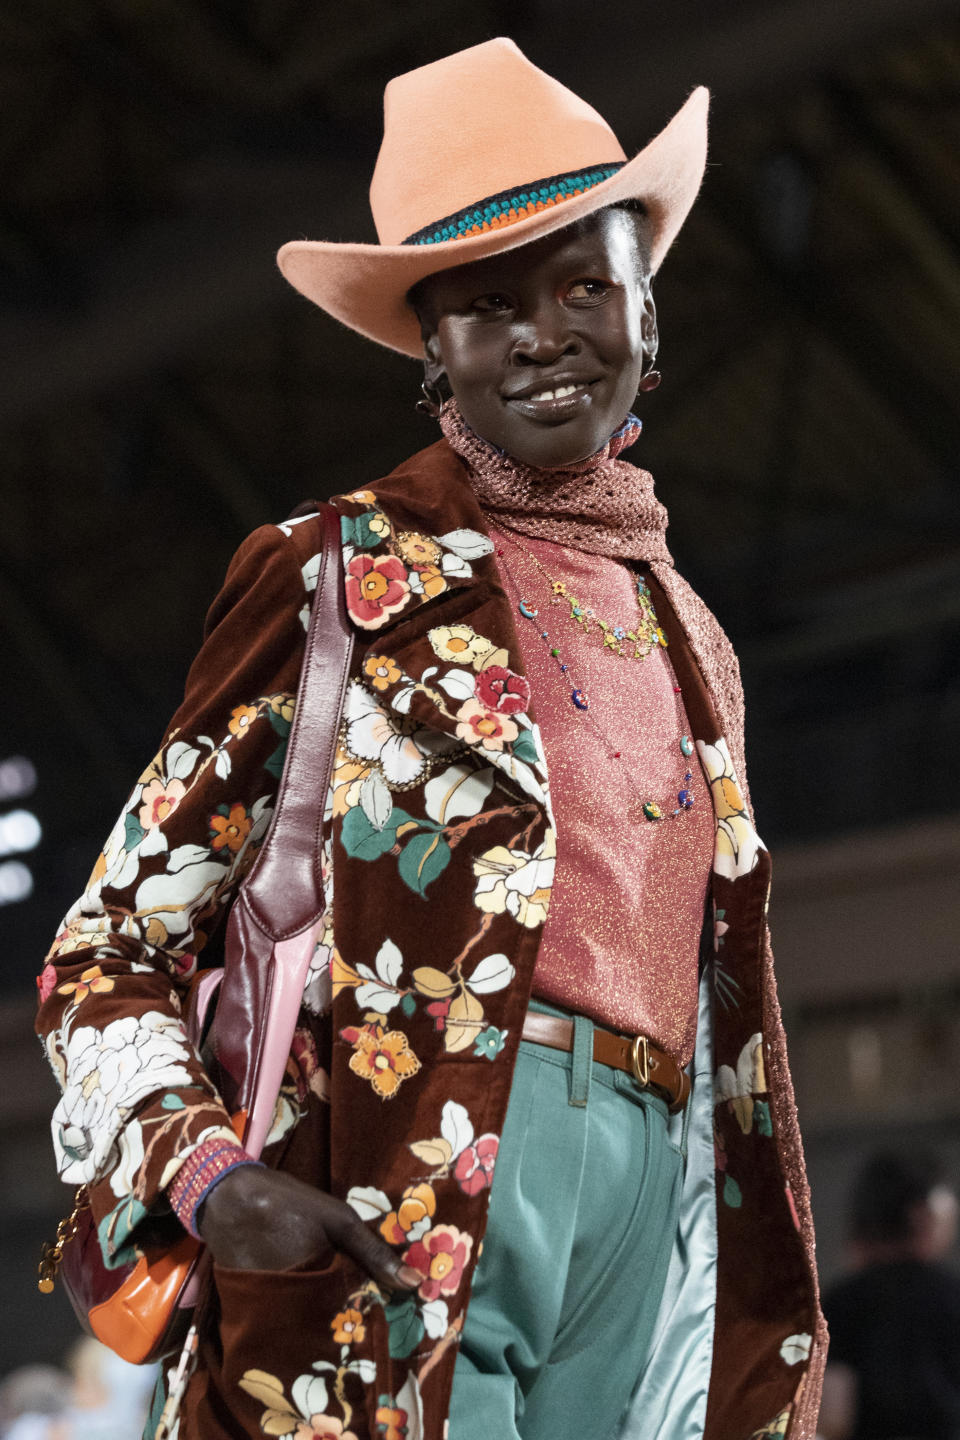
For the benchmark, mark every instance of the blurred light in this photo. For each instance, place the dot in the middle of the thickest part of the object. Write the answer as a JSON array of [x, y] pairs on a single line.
[[18, 777], [20, 830], [865, 1053], [16, 882]]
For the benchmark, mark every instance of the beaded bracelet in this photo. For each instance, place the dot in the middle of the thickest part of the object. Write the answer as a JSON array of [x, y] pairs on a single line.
[[200, 1173]]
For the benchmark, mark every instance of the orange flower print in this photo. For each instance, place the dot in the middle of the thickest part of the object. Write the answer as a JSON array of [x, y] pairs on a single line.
[[348, 1327], [91, 980], [432, 579], [412, 1217], [241, 719], [160, 800], [230, 828], [383, 1058], [418, 549], [391, 1423], [382, 671]]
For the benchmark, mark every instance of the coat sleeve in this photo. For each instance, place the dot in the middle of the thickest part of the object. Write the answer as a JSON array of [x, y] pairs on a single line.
[[136, 1100]]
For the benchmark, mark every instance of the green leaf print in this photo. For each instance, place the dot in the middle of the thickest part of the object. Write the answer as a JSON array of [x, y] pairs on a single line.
[[361, 840], [761, 1117], [406, 1328], [115, 1230], [424, 857], [133, 832], [274, 766], [356, 531], [732, 1195], [279, 724], [524, 748]]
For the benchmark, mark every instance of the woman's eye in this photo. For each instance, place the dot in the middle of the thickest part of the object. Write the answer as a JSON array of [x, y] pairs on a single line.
[[492, 302], [588, 290]]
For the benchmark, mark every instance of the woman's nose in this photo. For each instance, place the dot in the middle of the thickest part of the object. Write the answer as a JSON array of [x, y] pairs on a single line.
[[545, 336]]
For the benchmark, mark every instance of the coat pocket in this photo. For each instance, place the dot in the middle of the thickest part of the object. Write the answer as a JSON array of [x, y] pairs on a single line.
[[294, 1347]]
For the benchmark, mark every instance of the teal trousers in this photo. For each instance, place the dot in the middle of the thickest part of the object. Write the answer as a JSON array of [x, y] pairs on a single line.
[[583, 1213]]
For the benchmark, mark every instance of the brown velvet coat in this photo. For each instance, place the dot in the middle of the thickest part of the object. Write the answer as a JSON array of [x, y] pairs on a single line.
[[438, 880]]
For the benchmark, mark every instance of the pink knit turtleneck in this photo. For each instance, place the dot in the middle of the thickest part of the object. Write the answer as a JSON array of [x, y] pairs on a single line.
[[601, 504], [622, 935]]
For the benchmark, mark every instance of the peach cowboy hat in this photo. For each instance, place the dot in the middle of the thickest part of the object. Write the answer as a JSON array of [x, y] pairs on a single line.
[[482, 151]]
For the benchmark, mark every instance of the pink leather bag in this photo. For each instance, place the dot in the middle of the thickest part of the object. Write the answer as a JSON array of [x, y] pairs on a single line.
[[142, 1310]]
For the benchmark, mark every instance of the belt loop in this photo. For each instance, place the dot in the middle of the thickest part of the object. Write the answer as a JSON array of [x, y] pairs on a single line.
[[582, 1060]]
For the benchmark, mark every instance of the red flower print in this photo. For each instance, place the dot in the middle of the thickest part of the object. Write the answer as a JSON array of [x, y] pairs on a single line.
[[47, 981], [160, 800], [474, 1167], [440, 1258], [375, 588], [439, 1009], [501, 689]]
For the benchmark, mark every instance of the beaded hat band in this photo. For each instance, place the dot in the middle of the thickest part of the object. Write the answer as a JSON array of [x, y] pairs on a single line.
[[486, 122], [512, 205]]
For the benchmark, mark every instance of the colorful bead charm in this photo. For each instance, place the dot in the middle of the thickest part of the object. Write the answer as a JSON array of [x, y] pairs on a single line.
[[686, 744]]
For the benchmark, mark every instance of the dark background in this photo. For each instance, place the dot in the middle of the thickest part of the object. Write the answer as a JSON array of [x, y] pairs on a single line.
[[165, 392]]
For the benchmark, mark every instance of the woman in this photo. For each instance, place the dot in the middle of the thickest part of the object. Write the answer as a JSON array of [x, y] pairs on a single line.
[[515, 568]]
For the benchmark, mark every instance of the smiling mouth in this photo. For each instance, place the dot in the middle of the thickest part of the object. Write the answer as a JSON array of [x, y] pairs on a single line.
[[557, 402], [560, 393]]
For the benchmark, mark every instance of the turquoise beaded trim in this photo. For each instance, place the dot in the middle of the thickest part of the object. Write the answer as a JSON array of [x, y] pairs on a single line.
[[509, 206]]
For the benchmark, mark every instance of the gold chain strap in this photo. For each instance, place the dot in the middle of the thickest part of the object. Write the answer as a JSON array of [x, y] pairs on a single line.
[[52, 1254]]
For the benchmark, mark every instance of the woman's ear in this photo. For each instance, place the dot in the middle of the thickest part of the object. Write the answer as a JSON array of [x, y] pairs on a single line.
[[648, 325], [433, 366]]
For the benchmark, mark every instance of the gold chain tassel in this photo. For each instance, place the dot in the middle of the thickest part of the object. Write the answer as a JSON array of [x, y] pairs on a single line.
[[52, 1255]]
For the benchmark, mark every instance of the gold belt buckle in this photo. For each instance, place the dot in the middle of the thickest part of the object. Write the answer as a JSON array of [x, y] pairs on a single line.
[[640, 1060]]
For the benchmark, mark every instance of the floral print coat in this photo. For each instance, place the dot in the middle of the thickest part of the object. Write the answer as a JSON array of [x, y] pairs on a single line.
[[438, 876]]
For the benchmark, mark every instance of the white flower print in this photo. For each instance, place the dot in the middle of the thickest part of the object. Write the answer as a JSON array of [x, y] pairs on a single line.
[[737, 844], [402, 749], [123, 1176], [514, 881], [109, 1072]]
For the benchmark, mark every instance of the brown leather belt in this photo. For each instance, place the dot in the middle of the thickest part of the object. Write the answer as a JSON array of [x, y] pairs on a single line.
[[652, 1069]]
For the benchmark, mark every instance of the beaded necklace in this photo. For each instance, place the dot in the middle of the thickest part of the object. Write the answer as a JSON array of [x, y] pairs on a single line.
[[652, 810], [644, 636]]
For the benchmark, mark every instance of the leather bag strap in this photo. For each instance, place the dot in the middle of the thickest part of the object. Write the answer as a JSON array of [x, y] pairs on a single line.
[[269, 936], [284, 888]]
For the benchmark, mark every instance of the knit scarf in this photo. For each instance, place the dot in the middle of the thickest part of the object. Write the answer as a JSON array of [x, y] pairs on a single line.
[[602, 504], [606, 506]]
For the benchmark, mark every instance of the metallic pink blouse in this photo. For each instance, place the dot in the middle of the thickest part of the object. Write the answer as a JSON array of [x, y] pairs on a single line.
[[621, 939]]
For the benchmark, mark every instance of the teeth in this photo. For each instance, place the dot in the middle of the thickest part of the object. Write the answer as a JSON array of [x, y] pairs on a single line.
[[557, 394]]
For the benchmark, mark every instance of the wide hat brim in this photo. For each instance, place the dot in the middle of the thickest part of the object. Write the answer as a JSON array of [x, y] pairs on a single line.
[[365, 286]]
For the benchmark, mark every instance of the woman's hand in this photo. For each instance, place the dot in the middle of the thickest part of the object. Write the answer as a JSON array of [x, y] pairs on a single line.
[[258, 1219]]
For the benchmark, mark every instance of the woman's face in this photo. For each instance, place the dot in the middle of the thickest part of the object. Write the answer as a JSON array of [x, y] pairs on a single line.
[[571, 313]]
